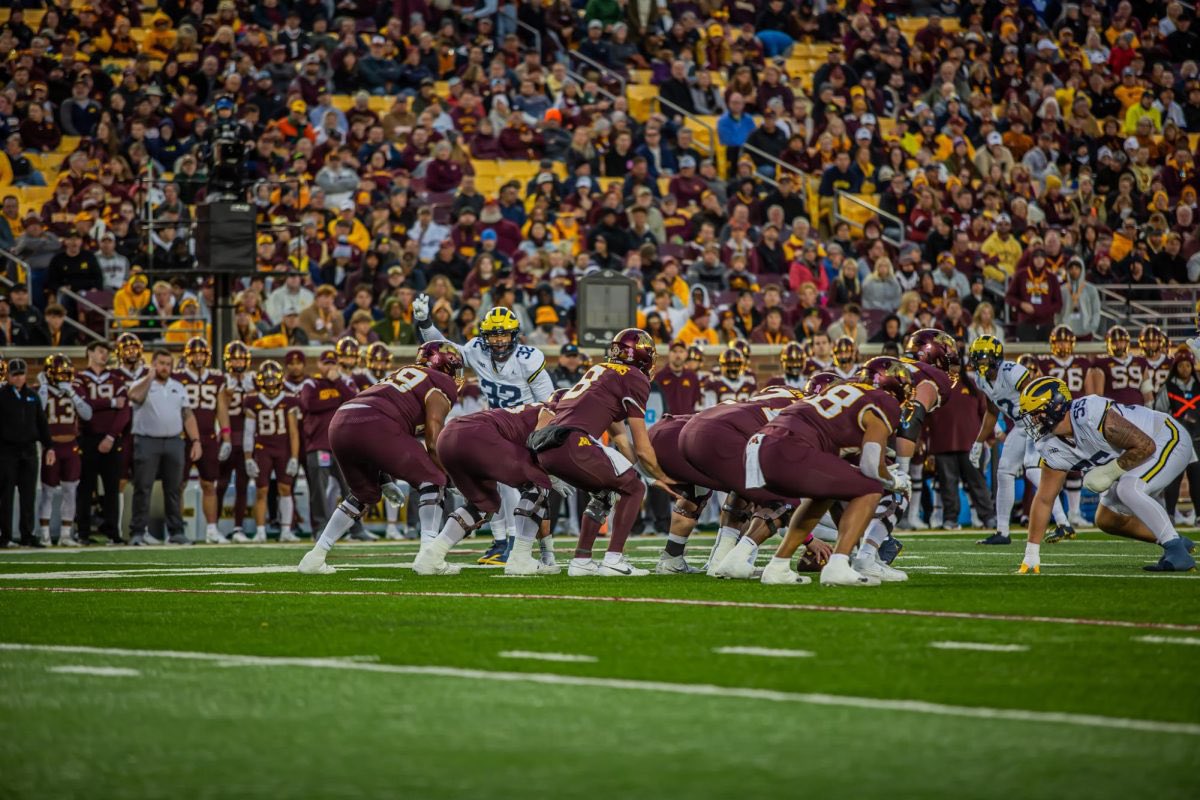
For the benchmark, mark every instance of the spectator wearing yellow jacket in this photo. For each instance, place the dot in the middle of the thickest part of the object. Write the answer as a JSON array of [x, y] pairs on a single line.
[[131, 299], [192, 324]]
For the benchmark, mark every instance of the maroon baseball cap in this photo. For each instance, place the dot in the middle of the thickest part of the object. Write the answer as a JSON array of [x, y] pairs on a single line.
[[293, 355], [327, 357]]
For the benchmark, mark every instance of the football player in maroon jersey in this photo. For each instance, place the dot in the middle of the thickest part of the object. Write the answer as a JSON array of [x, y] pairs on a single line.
[[65, 407], [743, 347], [104, 391], [501, 433], [695, 359], [131, 366], [1154, 345], [271, 442], [377, 363], [1119, 374], [930, 355], [798, 455], [375, 434], [203, 386], [1062, 362], [793, 363], [608, 397], [293, 365], [238, 383]]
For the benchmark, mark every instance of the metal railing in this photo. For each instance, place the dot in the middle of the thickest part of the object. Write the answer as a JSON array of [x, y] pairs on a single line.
[[8, 256], [608, 72], [580, 79], [895, 222], [535, 33], [1172, 307], [711, 148]]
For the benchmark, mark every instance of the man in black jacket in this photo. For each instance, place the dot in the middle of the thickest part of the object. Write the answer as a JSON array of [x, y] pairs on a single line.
[[22, 427]]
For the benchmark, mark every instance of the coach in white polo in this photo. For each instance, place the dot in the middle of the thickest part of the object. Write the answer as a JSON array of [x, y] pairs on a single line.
[[161, 416]]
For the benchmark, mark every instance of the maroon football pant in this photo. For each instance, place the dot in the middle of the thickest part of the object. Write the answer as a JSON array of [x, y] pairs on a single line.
[[664, 437], [581, 462], [67, 465], [271, 460], [226, 473], [366, 443], [477, 457], [792, 468], [209, 466], [716, 452]]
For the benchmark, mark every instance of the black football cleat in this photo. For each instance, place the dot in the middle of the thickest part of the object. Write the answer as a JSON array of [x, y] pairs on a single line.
[[494, 553], [1175, 558], [890, 549], [996, 538], [1061, 534]]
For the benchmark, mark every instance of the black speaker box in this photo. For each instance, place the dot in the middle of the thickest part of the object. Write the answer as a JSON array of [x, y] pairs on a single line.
[[225, 236]]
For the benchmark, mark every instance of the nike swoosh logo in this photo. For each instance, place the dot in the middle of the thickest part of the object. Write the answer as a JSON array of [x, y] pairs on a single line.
[[626, 571]]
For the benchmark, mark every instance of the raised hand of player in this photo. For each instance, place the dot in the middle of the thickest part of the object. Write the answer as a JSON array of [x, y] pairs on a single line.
[[976, 455], [64, 387], [251, 468], [225, 451], [293, 467], [420, 308]]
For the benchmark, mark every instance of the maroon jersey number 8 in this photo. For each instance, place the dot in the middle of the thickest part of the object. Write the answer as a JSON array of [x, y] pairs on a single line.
[[834, 401]]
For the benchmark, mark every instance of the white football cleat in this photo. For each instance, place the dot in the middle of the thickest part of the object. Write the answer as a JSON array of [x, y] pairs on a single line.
[[215, 538], [622, 569], [288, 536], [1077, 521], [781, 574], [736, 567], [393, 534], [44, 538], [840, 573], [583, 569], [313, 563], [874, 568], [68, 540], [259, 537], [429, 563], [525, 564], [239, 537], [720, 550], [674, 565]]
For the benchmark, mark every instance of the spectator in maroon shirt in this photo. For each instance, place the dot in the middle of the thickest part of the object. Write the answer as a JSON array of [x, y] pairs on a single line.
[[442, 174], [1037, 296]]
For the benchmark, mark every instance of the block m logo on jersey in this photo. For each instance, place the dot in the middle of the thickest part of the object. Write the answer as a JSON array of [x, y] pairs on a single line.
[[585, 441]]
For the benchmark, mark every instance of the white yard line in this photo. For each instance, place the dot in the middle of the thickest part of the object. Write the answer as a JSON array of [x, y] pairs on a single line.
[[1168, 640], [228, 583], [103, 672], [983, 647], [565, 658], [871, 704], [377, 580], [766, 652], [666, 601]]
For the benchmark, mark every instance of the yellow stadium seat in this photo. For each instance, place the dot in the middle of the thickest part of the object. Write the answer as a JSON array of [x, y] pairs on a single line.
[[857, 214], [640, 99], [640, 77], [68, 145], [486, 168], [605, 183], [343, 102], [380, 104], [33, 196]]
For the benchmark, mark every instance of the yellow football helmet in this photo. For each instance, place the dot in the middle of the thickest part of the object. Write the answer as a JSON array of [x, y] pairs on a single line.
[[237, 357], [986, 353], [1030, 363], [499, 331], [379, 358], [1153, 341], [129, 348], [793, 360], [1044, 402], [197, 353], [347, 349], [732, 363], [1062, 342], [845, 352], [58, 369], [269, 378], [1117, 341]]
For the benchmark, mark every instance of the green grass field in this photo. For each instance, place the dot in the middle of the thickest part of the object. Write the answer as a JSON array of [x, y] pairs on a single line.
[[217, 672]]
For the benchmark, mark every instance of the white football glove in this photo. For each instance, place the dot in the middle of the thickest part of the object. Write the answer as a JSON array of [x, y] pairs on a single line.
[[64, 387], [901, 482], [562, 487], [420, 308], [976, 456], [251, 468], [1099, 479], [225, 452], [293, 467]]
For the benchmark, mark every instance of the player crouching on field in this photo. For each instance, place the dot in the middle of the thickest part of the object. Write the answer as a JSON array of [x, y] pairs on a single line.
[[608, 397], [1128, 454]]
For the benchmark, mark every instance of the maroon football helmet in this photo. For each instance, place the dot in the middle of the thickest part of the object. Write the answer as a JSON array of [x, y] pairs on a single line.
[[441, 356], [820, 382], [633, 346], [887, 374], [935, 348]]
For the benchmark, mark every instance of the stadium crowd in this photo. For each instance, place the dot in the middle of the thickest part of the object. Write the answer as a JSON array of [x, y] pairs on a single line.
[[1030, 153]]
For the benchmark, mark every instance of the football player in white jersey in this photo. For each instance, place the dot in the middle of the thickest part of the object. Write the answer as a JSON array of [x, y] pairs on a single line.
[[1002, 381], [1128, 454], [510, 374]]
